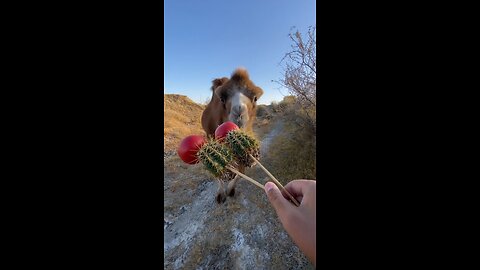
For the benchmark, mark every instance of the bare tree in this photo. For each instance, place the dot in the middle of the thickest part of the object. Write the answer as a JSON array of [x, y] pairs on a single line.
[[300, 73]]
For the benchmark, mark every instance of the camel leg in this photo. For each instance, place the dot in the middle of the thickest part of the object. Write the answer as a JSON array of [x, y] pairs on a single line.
[[221, 198], [231, 186]]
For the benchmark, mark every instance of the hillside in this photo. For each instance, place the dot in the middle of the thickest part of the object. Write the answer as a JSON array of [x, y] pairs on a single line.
[[242, 233], [182, 117]]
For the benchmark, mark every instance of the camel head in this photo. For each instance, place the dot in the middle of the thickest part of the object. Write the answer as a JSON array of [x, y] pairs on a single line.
[[238, 97]]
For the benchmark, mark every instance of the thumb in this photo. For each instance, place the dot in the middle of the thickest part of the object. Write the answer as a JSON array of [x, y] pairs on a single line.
[[276, 198]]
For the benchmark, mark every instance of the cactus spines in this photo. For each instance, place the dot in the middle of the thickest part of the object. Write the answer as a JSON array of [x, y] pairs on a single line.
[[215, 157], [242, 145]]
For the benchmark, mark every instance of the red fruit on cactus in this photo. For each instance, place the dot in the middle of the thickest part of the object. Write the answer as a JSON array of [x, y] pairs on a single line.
[[189, 147], [222, 130]]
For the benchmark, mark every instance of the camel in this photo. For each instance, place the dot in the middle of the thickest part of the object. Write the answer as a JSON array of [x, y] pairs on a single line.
[[235, 100]]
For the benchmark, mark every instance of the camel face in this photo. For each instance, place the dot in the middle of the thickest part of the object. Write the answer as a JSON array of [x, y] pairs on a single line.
[[233, 99], [238, 108]]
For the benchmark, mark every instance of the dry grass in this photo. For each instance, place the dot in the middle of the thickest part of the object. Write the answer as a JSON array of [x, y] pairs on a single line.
[[248, 212], [290, 159], [292, 153], [182, 117], [263, 121]]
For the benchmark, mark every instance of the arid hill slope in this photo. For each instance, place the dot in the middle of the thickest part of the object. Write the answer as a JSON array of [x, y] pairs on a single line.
[[242, 233], [182, 117]]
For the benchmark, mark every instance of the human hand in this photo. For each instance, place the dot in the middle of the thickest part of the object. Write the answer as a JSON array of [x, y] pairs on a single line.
[[299, 222]]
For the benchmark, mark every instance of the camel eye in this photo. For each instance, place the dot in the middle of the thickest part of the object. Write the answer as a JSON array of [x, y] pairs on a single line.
[[222, 99], [255, 98]]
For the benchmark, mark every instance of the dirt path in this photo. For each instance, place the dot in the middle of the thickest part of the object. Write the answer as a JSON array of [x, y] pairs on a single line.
[[242, 233], [265, 143]]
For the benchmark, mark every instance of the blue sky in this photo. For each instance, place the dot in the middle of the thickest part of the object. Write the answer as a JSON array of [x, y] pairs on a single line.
[[207, 39]]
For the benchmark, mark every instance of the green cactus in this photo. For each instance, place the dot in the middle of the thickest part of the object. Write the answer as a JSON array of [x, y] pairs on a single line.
[[241, 145], [215, 157]]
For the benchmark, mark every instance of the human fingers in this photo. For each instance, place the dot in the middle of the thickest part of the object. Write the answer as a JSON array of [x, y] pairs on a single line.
[[278, 201], [300, 187]]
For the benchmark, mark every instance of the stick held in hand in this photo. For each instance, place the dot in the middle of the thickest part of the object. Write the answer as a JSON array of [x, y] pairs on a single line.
[[245, 177], [276, 181]]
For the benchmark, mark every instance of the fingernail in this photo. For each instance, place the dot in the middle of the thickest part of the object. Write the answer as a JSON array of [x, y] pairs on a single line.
[[269, 186]]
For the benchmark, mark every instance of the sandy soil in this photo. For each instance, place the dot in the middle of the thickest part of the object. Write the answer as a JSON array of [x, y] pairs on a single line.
[[242, 233]]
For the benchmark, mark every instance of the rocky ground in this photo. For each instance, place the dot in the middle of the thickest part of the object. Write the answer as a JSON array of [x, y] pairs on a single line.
[[242, 233]]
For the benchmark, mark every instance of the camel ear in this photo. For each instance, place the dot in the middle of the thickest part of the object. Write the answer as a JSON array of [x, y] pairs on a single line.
[[258, 92], [218, 82]]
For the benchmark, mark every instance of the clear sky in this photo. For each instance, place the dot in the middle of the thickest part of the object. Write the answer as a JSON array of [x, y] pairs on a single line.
[[208, 39]]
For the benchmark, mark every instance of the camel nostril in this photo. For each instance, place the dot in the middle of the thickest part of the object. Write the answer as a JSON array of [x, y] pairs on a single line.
[[237, 111]]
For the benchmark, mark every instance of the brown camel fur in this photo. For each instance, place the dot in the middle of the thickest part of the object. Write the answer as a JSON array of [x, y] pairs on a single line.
[[235, 100]]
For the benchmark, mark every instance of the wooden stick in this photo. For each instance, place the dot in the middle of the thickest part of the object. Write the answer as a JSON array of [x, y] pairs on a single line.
[[275, 180], [245, 177]]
